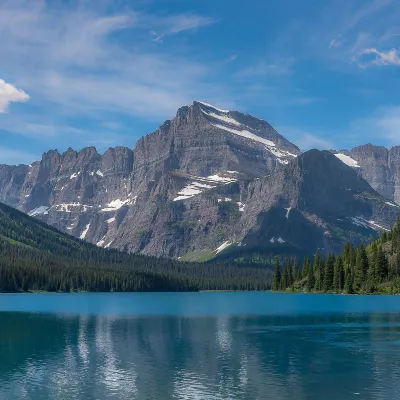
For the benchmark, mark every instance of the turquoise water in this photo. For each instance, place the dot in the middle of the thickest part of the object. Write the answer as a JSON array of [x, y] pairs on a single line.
[[199, 346]]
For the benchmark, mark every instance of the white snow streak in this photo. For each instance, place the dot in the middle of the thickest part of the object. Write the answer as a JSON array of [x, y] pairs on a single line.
[[347, 160], [361, 221], [288, 212], [99, 173], [241, 206], [223, 118], [84, 233], [391, 204], [192, 189], [247, 134], [211, 106], [66, 207], [75, 175], [223, 246], [39, 210]]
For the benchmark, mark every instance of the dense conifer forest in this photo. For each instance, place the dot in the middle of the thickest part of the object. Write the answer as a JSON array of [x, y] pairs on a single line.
[[371, 269], [37, 257]]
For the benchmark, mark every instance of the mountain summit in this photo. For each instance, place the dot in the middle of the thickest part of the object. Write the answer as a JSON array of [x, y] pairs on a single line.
[[205, 181]]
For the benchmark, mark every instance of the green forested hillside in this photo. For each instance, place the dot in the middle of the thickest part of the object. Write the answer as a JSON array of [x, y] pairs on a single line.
[[371, 269], [34, 256]]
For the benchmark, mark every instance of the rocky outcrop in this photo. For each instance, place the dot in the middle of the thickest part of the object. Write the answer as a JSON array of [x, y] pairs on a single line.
[[380, 167]]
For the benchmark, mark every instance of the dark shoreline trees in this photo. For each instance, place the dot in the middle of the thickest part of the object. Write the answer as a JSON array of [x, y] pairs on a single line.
[[372, 269]]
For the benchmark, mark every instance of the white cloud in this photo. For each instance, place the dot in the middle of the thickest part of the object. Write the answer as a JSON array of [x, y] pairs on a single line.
[[175, 24], [14, 157], [78, 68], [379, 58], [10, 94]]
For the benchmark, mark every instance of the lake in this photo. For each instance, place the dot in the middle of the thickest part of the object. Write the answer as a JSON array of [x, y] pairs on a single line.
[[199, 346]]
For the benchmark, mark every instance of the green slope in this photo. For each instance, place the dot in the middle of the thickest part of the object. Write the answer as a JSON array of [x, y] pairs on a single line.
[[34, 256]]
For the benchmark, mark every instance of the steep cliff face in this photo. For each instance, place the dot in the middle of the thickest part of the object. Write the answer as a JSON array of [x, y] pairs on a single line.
[[379, 166], [116, 199]]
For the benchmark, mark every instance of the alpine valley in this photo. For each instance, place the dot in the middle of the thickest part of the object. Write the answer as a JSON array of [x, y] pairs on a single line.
[[212, 184]]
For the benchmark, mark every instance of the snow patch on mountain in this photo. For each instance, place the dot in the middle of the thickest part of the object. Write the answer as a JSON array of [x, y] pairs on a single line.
[[85, 231], [38, 210], [69, 207], [201, 184], [368, 224], [192, 189], [246, 134], [75, 175], [223, 246], [211, 106], [222, 118], [115, 205], [347, 160], [391, 204]]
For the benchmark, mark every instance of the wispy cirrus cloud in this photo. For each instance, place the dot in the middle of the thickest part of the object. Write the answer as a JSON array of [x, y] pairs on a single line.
[[10, 94], [174, 24], [82, 61]]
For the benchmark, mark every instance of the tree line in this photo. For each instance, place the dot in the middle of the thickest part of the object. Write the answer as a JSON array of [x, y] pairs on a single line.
[[37, 257], [371, 269]]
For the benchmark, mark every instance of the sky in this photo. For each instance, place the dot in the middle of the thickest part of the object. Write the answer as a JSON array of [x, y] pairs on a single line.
[[77, 73]]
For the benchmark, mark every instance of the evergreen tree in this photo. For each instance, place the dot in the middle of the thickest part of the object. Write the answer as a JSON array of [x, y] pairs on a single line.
[[296, 273], [310, 278], [319, 271], [328, 274], [276, 282], [338, 275], [361, 268], [285, 278]]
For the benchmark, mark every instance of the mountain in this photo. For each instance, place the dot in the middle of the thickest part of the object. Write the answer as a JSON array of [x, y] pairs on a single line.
[[379, 166], [35, 256], [206, 184]]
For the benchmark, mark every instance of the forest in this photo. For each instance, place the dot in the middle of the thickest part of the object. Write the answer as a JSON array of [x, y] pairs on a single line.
[[373, 269], [37, 257]]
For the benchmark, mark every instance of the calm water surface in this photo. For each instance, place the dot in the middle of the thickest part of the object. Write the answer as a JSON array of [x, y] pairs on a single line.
[[199, 346]]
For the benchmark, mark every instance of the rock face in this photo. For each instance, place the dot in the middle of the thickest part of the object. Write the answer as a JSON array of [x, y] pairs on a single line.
[[380, 167], [206, 181]]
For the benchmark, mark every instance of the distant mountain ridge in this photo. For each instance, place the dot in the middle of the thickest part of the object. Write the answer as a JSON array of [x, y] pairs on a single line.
[[205, 182]]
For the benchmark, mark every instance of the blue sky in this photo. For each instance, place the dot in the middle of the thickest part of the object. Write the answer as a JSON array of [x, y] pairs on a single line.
[[76, 73]]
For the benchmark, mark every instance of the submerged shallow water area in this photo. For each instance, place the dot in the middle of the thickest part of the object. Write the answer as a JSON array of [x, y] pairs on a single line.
[[199, 346]]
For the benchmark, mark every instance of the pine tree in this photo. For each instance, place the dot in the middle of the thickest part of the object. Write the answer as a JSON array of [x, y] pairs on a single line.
[[338, 275], [361, 268], [381, 266], [319, 271], [328, 274], [276, 282], [348, 281], [296, 273], [310, 278], [285, 278]]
